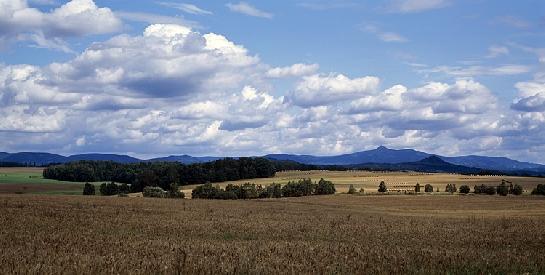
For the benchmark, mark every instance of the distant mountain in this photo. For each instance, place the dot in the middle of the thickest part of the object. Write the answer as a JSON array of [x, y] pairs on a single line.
[[391, 156], [371, 158], [104, 157], [186, 159], [32, 158], [493, 163], [379, 155], [432, 164], [3, 155]]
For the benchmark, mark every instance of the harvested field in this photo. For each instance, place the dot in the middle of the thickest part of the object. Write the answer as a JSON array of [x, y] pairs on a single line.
[[325, 234], [370, 180]]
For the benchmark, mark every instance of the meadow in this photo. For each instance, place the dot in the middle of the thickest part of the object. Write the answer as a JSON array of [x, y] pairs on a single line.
[[319, 235], [29, 180]]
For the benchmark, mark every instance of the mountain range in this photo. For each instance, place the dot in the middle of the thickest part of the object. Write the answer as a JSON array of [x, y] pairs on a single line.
[[379, 157]]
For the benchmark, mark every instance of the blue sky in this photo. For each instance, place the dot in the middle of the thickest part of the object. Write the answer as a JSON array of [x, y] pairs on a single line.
[[253, 77]]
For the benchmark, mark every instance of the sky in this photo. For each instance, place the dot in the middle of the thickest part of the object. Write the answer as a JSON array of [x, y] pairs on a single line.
[[244, 78]]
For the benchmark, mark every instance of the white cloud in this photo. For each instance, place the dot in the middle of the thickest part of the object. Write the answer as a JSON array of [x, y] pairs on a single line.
[[247, 9], [152, 18], [318, 90], [384, 35], [411, 6], [185, 7], [472, 71], [531, 97], [495, 51], [293, 70], [75, 18]]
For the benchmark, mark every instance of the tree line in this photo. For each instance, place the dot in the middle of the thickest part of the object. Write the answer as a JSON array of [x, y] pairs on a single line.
[[303, 187], [162, 174]]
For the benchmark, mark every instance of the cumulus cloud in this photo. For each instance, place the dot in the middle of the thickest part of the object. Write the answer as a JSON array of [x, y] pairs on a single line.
[[318, 90], [247, 9], [293, 70], [472, 71], [531, 97], [18, 21]]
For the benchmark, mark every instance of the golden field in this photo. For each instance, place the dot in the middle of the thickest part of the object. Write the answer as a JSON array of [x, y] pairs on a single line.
[[370, 180], [310, 235]]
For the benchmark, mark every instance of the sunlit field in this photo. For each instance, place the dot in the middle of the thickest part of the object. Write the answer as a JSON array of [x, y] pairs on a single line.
[[369, 181]]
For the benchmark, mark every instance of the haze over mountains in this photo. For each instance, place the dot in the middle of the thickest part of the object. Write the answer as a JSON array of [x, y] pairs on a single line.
[[381, 155]]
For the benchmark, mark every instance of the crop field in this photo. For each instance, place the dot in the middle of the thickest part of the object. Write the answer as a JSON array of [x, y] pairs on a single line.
[[319, 235], [370, 180], [23, 180]]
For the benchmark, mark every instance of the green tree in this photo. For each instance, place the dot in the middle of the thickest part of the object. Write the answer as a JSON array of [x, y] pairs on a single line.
[[517, 190], [109, 189], [417, 188], [89, 189], [464, 189], [451, 188], [325, 187], [382, 187], [428, 188], [351, 190]]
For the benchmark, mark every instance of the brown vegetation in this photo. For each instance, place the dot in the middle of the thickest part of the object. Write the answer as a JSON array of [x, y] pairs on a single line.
[[326, 234]]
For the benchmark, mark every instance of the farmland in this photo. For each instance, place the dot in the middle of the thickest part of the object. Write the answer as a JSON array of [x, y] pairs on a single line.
[[323, 234], [370, 180], [23, 180]]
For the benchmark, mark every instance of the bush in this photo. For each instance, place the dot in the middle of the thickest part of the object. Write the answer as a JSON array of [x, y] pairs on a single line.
[[154, 192], [464, 189], [303, 187], [272, 191], [109, 189], [124, 189], [249, 191], [325, 187], [205, 191], [428, 188], [351, 190], [451, 188], [89, 189], [539, 190], [483, 189], [417, 188], [517, 190], [502, 189], [362, 191], [175, 192], [382, 187]]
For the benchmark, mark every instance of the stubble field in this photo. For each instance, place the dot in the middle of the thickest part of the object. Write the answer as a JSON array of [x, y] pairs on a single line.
[[323, 234]]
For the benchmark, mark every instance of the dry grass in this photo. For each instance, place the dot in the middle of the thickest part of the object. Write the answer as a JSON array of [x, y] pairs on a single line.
[[331, 234]]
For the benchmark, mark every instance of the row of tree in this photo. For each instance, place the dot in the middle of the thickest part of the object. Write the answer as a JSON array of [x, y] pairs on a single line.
[[162, 174], [304, 187], [503, 189]]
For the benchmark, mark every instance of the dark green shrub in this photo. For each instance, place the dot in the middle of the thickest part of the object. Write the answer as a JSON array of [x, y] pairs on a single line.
[[464, 189], [483, 189], [249, 191], [502, 189], [382, 187], [154, 192], [451, 188], [272, 191], [205, 191], [417, 188], [428, 188], [325, 187], [109, 189], [89, 189], [175, 192], [539, 190], [352, 190], [303, 187], [517, 190], [124, 189]]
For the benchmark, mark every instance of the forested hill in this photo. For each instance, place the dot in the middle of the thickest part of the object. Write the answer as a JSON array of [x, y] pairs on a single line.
[[163, 174]]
